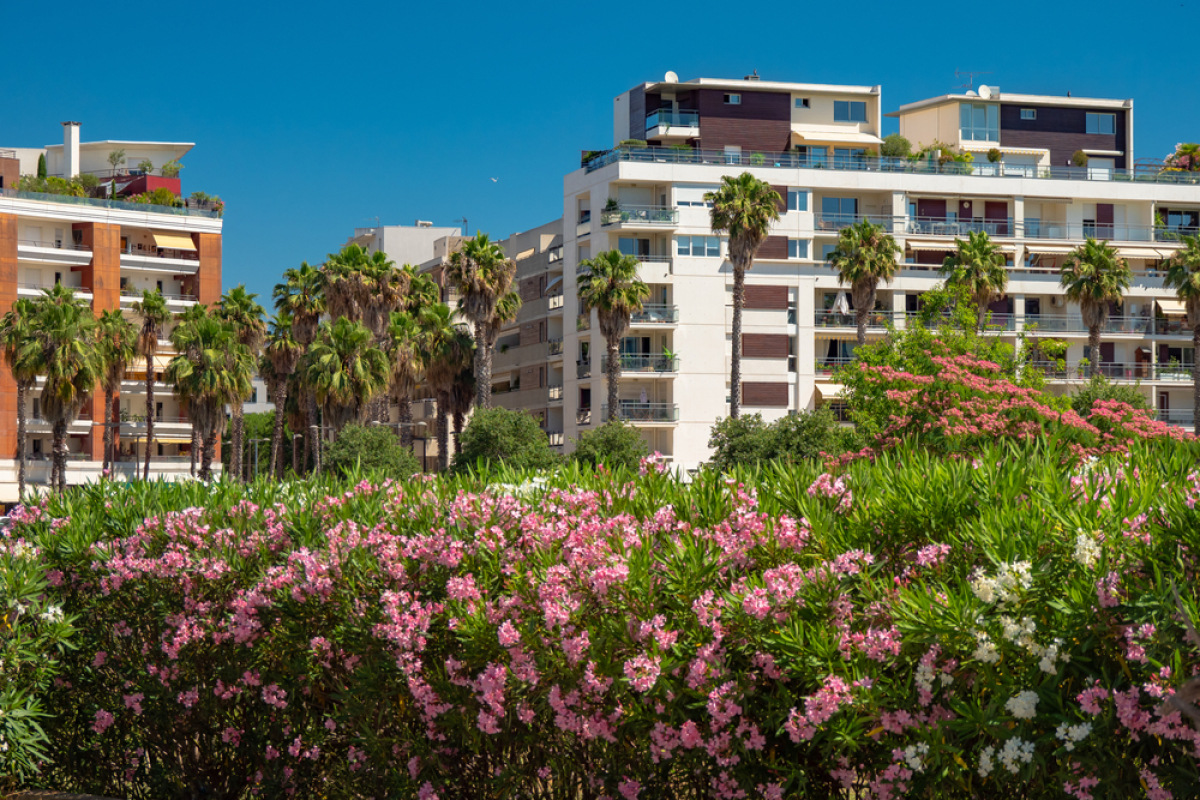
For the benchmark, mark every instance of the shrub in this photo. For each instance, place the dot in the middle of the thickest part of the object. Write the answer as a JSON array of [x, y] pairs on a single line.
[[994, 155], [1101, 388], [895, 146], [748, 440], [498, 436], [171, 169], [369, 449], [146, 166], [1079, 158], [162, 196], [614, 444]]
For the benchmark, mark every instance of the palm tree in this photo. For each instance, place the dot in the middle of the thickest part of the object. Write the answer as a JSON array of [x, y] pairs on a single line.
[[155, 315], [116, 342], [1183, 275], [462, 394], [448, 350], [407, 361], [744, 207], [980, 269], [300, 295], [611, 286], [482, 274], [23, 354], [66, 333], [346, 372], [189, 315], [281, 356], [864, 256], [344, 282], [245, 317], [1094, 276]]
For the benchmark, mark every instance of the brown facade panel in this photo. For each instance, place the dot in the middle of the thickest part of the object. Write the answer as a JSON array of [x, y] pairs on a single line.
[[765, 345], [531, 377], [531, 333], [530, 289], [774, 248], [782, 202], [637, 112], [767, 298], [1062, 131], [8, 294], [762, 122], [208, 276], [762, 394], [10, 172]]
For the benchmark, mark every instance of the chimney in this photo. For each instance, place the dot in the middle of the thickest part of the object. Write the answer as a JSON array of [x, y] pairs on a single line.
[[70, 149]]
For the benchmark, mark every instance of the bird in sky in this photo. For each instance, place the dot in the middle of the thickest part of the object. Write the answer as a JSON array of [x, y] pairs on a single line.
[[495, 179]]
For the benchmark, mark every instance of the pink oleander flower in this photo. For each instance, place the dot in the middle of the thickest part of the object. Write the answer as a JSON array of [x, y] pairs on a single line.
[[508, 634], [104, 719], [642, 672]]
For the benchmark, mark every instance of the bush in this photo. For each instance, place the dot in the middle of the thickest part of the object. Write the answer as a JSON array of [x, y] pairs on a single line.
[[1101, 388], [1079, 158], [895, 146], [613, 444], [501, 437], [369, 449], [748, 440], [161, 196], [994, 155], [915, 627]]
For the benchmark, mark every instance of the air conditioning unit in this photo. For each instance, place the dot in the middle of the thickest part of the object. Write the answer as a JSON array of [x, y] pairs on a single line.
[[1058, 302]]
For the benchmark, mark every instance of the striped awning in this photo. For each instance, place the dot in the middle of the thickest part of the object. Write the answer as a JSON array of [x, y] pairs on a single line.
[[1140, 252], [1049, 249], [174, 241]]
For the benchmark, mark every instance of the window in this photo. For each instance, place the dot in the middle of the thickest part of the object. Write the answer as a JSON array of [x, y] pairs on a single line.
[[979, 122], [797, 200], [837, 212], [797, 248], [698, 246], [802, 102], [633, 247], [849, 111], [1028, 113], [1102, 123], [813, 156], [847, 158], [826, 249], [254, 396], [733, 154], [733, 99]]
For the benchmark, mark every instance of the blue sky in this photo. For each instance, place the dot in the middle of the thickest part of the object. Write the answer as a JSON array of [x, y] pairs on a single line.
[[313, 119]]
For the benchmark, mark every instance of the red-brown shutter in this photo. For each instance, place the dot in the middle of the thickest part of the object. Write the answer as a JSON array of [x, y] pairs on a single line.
[[767, 298], [761, 394], [765, 345], [773, 249]]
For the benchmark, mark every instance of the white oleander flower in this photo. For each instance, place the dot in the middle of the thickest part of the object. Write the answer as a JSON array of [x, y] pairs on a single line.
[[1024, 705], [1073, 734], [53, 614], [1087, 550], [1016, 750], [986, 650], [1012, 580], [985, 761], [983, 587], [913, 754]]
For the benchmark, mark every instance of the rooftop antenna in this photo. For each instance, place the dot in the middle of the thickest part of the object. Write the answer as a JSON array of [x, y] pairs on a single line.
[[368, 219], [970, 76], [463, 220]]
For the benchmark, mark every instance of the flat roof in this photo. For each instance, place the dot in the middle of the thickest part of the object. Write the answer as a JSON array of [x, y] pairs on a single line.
[[762, 86], [185, 146], [1021, 99]]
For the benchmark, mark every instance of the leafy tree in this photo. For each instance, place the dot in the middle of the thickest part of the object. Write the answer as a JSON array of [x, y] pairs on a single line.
[[1095, 277], [23, 355], [346, 371], [116, 341], [499, 436], [744, 207], [115, 159], [1183, 275], [895, 146], [864, 256], [795, 437], [370, 448], [241, 311], [261, 426], [611, 286], [979, 267], [146, 166], [482, 274], [41, 167], [1101, 388], [153, 311], [613, 444]]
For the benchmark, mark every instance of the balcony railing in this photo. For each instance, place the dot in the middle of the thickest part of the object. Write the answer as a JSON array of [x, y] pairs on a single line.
[[54, 245], [666, 118], [805, 160], [140, 419], [1118, 371], [641, 215], [84, 416], [150, 251], [121, 205], [828, 366], [935, 226], [555, 438], [833, 319], [583, 369], [654, 362], [835, 222], [555, 346], [555, 393], [1169, 326], [168, 295], [655, 314], [634, 411], [46, 287], [583, 416], [1176, 417], [1041, 229]]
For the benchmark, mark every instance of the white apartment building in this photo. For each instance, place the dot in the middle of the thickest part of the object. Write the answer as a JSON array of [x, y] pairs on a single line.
[[818, 146]]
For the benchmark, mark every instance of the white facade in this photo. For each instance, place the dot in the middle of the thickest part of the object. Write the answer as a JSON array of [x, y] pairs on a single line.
[[404, 244]]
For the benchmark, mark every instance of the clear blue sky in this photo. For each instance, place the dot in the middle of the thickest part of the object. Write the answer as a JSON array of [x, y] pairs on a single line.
[[310, 119]]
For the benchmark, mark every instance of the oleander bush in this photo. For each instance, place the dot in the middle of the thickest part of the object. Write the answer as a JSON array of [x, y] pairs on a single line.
[[913, 626]]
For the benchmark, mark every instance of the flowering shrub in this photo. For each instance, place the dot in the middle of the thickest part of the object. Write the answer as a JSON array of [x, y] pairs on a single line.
[[914, 627]]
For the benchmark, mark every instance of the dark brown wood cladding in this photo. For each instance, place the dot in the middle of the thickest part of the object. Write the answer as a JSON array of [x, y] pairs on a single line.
[[765, 345], [637, 112], [1062, 131], [782, 204], [10, 172], [531, 377], [531, 333], [774, 248], [763, 394], [767, 298], [530, 289], [761, 122]]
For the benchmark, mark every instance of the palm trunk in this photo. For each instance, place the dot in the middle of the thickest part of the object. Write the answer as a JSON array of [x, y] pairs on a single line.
[[206, 458], [236, 441], [735, 369], [296, 453], [483, 368], [406, 427], [277, 436], [22, 392], [613, 378], [860, 322], [197, 444], [443, 431], [59, 481], [149, 414], [108, 429], [1196, 378], [310, 444], [459, 418], [1093, 349]]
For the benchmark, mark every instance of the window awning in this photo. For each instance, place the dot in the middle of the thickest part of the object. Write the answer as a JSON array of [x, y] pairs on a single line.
[[834, 137], [174, 241], [829, 389], [1049, 249], [1172, 308], [555, 281], [166, 439], [1140, 252], [941, 247]]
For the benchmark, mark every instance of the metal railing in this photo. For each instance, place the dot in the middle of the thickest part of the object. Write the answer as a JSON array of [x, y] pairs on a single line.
[[1170, 326], [653, 362], [1118, 371], [835, 222], [140, 419], [672, 119], [555, 392], [583, 369], [1041, 229], [1176, 417], [655, 314], [634, 411], [97, 202], [868, 162], [583, 416], [642, 215], [939, 226], [54, 245], [828, 366], [555, 346], [168, 295], [150, 251], [555, 438], [45, 287], [834, 319]]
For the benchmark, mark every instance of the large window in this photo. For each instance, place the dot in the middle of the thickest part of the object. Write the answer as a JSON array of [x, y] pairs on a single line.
[[1102, 123], [979, 122], [838, 212], [698, 246], [813, 156], [848, 157], [633, 247], [849, 111], [826, 249], [797, 200], [797, 248]]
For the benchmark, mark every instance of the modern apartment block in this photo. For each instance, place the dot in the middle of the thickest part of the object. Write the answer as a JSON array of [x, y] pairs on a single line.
[[818, 146], [109, 250]]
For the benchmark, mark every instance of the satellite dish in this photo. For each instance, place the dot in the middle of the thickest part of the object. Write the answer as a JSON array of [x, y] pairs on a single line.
[[971, 93], [671, 77], [985, 91]]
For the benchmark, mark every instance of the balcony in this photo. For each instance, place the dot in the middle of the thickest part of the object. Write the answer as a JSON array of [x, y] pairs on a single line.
[[150, 251], [584, 226], [554, 347], [832, 223], [583, 416], [655, 314], [583, 322], [518, 398], [629, 216], [1075, 231], [118, 205], [583, 369], [556, 301], [644, 363], [668, 124], [555, 393], [1181, 417], [877, 320], [135, 294], [1137, 326], [555, 438], [638, 412], [939, 226], [828, 366], [1117, 371]]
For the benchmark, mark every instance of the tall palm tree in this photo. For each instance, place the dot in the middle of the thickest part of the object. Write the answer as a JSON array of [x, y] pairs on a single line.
[[744, 207], [66, 333], [23, 355], [482, 274], [462, 395], [1094, 276], [346, 372], [116, 342], [1183, 275], [191, 314], [153, 311], [244, 315], [611, 285], [300, 295], [344, 282], [281, 356], [864, 256], [448, 350], [407, 360], [979, 268]]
